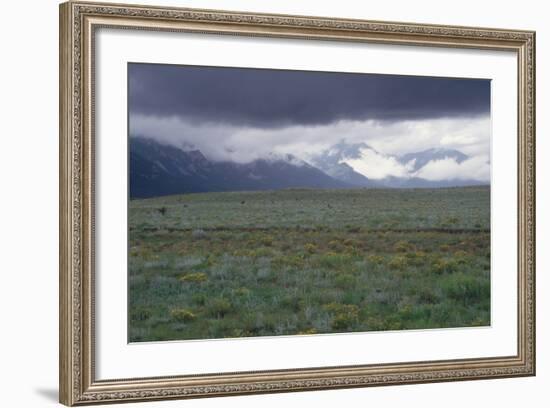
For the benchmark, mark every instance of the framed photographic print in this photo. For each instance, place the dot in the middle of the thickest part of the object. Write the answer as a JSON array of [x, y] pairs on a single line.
[[256, 203]]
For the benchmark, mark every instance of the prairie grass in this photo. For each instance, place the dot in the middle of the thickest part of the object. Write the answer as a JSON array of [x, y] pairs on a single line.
[[285, 263]]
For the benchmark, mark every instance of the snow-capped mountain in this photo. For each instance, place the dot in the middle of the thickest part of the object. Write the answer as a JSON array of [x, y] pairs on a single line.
[[359, 163], [333, 162]]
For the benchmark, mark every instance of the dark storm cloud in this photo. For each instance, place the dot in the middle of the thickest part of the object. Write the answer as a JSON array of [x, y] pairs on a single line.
[[277, 98]]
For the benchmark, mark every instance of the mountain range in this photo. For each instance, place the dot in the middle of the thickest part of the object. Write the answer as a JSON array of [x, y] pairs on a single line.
[[336, 160], [157, 169]]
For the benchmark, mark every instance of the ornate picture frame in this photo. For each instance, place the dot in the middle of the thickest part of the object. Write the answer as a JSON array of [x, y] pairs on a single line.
[[79, 22]]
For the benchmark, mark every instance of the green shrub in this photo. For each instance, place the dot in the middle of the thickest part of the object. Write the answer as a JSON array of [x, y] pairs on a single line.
[[375, 259], [444, 248], [291, 301], [310, 248], [416, 258], [427, 295], [296, 261], [240, 333], [349, 242], [199, 299], [140, 313], [242, 291], [402, 246], [343, 316], [440, 266], [334, 307], [308, 331], [182, 315], [452, 220], [461, 257], [406, 312], [480, 322], [333, 260], [262, 252], [285, 246], [219, 307], [466, 289], [195, 277], [398, 262], [375, 323], [343, 321], [344, 280], [267, 240]]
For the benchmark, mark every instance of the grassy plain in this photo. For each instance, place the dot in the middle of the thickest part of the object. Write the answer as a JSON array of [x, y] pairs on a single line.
[[303, 261]]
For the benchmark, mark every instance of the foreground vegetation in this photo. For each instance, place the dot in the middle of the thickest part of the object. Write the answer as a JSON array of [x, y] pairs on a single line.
[[308, 261]]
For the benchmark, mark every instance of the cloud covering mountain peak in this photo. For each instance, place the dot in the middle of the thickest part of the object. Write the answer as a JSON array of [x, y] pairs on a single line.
[[434, 164]]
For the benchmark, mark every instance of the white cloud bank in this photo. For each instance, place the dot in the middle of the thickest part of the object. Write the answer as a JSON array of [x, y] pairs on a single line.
[[243, 144], [474, 168], [375, 165], [378, 166]]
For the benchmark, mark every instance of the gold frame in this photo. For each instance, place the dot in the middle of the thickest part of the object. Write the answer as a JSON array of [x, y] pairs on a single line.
[[78, 21]]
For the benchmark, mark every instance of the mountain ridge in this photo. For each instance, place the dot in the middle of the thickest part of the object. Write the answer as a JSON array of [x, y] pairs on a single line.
[[158, 169]]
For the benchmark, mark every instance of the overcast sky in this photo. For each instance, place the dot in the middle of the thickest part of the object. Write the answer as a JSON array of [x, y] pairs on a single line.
[[241, 114]]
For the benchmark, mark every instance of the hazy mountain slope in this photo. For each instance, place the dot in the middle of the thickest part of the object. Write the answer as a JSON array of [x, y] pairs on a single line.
[[157, 169], [424, 157]]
